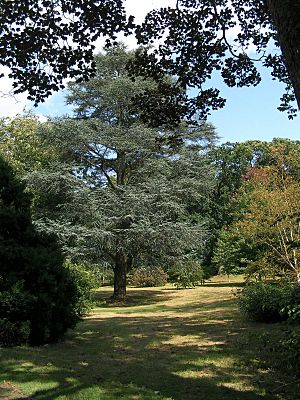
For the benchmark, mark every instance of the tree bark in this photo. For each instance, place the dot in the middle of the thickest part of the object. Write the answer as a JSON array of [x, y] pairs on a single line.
[[120, 277], [285, 15]]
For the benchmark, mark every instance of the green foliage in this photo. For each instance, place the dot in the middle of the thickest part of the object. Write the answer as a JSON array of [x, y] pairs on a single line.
[[152, 102], [148, 277], [265, 302], [283, 348], [14, 333], [272, 222], [260, 233], [36, 289], [231, 162], [292, 308], [197, 40], [289, 349], [186, 274], [84, 277], [21, 146], [14, 303], [26, 47], [126, 193], [232, 252], [104, 275]]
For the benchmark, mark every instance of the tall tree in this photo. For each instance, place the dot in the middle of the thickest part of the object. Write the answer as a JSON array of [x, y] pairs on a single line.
[[129, 187]]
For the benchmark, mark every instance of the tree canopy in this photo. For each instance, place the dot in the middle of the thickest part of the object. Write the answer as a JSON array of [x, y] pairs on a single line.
[[202, 37], [261, 234], [128, 188], [43, 42], [21, 146]]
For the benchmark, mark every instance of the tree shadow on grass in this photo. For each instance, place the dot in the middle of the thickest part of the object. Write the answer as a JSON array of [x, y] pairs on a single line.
[[135, 297], [146, 357], [224, 284]]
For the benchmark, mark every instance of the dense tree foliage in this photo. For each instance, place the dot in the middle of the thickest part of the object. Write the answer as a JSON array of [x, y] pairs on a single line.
[[43, 42], [201, 37], [153, 102], [273, 221], [263, 232], [129, 187], [21, 146], [39, 299], [231, 162]]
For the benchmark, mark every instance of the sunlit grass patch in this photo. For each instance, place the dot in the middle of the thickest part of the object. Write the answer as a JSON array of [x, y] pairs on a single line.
[[165, 344]]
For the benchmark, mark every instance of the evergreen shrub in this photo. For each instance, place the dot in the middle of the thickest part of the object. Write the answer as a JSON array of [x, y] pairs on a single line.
[[39, 297]]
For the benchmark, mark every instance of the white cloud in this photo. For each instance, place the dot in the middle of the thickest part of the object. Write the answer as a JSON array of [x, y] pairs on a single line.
[[41, 117], [140, 8], [10, 105]]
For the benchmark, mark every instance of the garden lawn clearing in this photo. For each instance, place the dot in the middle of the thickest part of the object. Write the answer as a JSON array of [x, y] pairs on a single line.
[[164, 344]]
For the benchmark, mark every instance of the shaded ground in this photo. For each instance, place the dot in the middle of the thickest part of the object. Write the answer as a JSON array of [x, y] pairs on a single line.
[[9, 392], [164, 344]]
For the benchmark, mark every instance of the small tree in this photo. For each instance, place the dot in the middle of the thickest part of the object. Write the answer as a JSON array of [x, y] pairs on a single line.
[[270, 224], [186, 273], [233, 251], [273, 219]]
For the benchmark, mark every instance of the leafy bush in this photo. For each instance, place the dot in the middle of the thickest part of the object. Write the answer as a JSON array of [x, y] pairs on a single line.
[[14, 333], [148, 277], [13, 303], [265, 302], [84, 276], [291, 309], [268, 302], [39, 289], [289, 349], [188, 273], [39, 297], [283, 347]]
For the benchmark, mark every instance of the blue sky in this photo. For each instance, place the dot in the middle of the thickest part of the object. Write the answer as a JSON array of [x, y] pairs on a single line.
[[249, 114]]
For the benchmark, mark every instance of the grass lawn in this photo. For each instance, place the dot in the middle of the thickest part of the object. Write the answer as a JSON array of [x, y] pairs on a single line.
[[164, 344]]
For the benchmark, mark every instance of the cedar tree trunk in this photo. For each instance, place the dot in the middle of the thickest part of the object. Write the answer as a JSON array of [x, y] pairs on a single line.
[[120, 275]]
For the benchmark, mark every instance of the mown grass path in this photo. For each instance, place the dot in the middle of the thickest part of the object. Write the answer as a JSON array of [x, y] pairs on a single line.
[[164, 344]]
